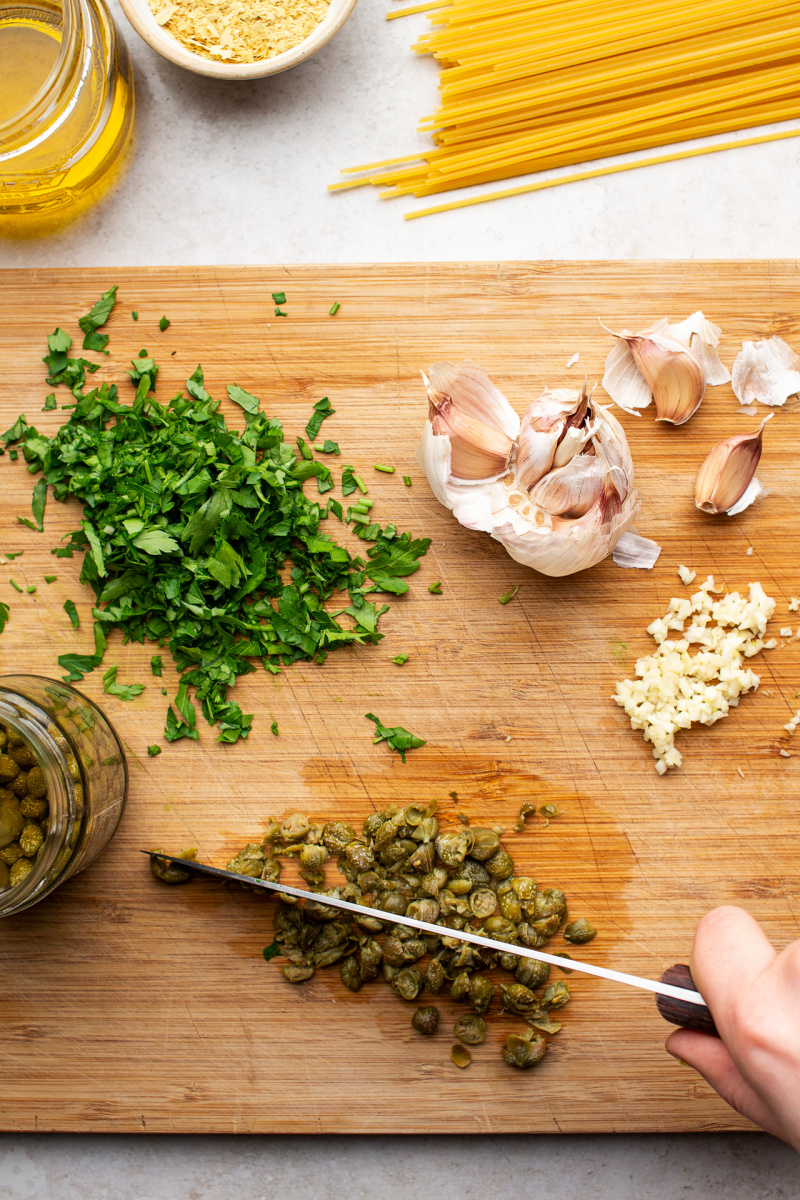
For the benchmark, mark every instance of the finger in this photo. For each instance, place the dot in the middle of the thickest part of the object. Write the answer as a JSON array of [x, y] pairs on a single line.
[[730, 951], [709, 1056]]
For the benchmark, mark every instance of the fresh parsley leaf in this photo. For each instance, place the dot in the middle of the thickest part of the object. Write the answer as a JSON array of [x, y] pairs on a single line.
[[322, 410], [156, 665], [396, 738], [155, 541], [38, 501], [239, 396], [509, 595], [72, 613], [153, 751], [97, 315], [49, 403], [125, 691]]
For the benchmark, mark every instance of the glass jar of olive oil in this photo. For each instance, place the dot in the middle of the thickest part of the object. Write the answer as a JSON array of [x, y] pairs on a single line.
[[66, 106], [63, 782]]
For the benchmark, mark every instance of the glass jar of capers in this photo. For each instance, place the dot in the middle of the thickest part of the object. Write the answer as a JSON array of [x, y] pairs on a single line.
[[63, 782]]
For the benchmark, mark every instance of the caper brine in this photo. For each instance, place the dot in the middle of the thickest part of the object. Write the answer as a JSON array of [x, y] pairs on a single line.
[[23, 809], [403, 864]]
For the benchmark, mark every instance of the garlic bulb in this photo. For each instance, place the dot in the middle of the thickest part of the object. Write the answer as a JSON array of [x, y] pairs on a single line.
[[557, 491]]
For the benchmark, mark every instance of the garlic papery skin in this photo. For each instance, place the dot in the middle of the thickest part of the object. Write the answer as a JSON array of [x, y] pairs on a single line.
[[702, 337], [654, 364], [467, 408], [557, 519], [728, 471], [765, 371]]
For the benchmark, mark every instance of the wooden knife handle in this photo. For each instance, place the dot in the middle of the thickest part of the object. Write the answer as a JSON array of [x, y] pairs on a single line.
[[683, 1012]]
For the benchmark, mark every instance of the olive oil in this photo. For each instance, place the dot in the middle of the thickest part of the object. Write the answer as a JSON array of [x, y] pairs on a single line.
[[66, 107]]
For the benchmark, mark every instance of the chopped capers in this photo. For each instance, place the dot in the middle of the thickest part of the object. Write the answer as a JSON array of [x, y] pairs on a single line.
[[524, 1050], [426, 1019], [169, 872], [579, 932], [460, 1056], [470, 1029]]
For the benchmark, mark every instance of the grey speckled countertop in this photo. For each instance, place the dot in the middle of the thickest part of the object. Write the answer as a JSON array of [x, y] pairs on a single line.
[[236, 173]]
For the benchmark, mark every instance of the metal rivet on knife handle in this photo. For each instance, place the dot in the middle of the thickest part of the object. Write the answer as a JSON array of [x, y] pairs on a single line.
[[678, 1012]]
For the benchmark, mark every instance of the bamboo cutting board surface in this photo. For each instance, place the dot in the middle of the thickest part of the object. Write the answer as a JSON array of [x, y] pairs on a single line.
[[126, 1005]]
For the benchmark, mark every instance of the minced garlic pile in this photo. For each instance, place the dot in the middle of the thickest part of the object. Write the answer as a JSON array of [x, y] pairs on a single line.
[[239, 31], [675, 689]]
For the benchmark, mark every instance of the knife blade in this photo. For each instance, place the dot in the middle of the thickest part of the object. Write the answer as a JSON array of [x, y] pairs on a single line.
[[689, 1010]]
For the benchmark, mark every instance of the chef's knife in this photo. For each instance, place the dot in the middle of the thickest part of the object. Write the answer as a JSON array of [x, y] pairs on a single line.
[[676, 998]]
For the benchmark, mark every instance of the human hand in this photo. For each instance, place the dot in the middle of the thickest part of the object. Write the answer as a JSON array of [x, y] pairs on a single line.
[[754, 996]]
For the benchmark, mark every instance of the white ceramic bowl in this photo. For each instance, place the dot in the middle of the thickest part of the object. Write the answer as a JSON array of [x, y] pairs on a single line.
[[141, 18]]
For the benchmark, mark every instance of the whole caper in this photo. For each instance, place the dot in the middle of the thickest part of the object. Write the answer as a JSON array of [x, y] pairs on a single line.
[[524, 1050], [297, 974], [360, 855], [21, 868], [470, 1029], [426, 1019], [481, 992], [460, 987], [337, 835], [30, 839], [350, 973], [486, 843], [579, 932], [8, 768], [500, 865], [434, 976], [532, 973]]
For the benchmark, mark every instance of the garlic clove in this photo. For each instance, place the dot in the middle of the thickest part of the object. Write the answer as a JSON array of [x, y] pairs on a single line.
[[545, 425], [765, 371], [673, 373], [433, 456], [573, 489], [702, 337], [728, 470], [465, 406], [654, 364]]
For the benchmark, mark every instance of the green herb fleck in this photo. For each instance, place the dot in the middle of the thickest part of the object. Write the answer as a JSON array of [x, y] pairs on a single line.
[[164, 323], [50, 578], [400, 659], [135, 315], [407, 480], [385, 470], [176, 728], [271, 951], [435, 588], [72, 613], [305, 450], [279, 297], [245, 400], [78, 665], [280, 313], [153, 751], [30, 589], [322, 410], [396, 738], [509, 595], [619, 651], [97, 315], [11, 555], [334, 308], [5, 613], [13, 455], [156, 665], [15, 585], [125, 691], [274, 728], [49, 403], [38, 501], [328, 447]]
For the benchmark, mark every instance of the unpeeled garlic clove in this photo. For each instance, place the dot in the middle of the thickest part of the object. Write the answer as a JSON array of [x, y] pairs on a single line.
[[573, 489], [546, 425], [674, 374], [654, 363], [728, 470], [467, 408]]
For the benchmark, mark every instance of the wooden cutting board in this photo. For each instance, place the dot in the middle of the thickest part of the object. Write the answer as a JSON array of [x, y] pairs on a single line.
[[126, 1005]]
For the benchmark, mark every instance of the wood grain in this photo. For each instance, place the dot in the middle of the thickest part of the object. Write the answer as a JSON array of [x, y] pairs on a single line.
[[126, 1005]]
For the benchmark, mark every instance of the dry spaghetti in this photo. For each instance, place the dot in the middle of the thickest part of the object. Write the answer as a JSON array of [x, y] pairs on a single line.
[[528, 88]]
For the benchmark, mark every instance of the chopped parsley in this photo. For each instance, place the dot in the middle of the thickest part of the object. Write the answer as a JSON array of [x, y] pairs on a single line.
[[400, 659], [334, 308], [279, 297], [49, 403], [274, 728], [125, 691], [396, 738], [72, 613], [38, 501], [135, 315], [199, 536], [5, 613], [164, 323], [509, 595], [435, 588], [156, 665], [15, 585], [97, 316], [11, 555], [328, 447], [385, 470], [407, 480], [31, 589], [271, 951], [153, 751], [50, 578]]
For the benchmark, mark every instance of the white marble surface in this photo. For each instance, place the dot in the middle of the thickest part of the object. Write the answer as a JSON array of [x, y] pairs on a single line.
[[236, 173]]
